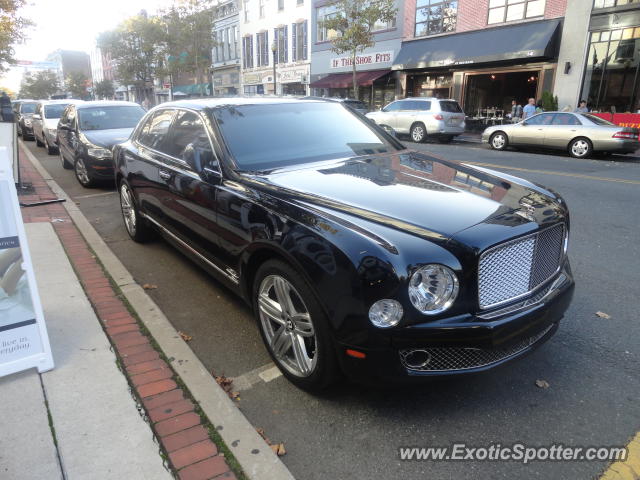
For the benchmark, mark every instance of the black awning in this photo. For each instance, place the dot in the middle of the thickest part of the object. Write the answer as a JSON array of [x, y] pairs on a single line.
[[531, 40]]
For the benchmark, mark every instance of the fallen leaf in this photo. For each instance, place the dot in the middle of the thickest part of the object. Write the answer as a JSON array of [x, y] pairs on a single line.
[[278, 449], [262, 434], [185, 337], [149, 286], [603, 315], [542, 384]]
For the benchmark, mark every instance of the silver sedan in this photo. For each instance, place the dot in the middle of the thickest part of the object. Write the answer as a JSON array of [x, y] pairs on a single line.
[[580, 134]]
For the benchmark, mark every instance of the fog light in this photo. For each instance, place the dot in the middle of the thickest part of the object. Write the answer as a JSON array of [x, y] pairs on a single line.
[[385, 313]]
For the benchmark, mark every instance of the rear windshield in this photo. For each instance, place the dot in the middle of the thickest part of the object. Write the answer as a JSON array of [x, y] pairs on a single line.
[[284, 134], [106, 118], [28, 107], [54, 111], [450, 106], [597, 120]]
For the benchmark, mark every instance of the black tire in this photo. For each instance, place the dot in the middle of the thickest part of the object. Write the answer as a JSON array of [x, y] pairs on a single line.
[[418, 132], [82, 174], [580, 147], [38, 142], [141, 231], [65, 163], [325, 369], [499, 141], [50, 150], [445, 139]]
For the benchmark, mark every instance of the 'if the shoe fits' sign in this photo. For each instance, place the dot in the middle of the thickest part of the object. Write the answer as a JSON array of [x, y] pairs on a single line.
[[24, 342]]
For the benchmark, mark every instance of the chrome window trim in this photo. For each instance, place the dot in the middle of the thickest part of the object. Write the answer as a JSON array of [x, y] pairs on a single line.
[[228, 272], [516, 240]]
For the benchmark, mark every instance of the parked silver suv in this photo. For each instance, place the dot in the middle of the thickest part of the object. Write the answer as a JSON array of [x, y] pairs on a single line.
[[422, 117]]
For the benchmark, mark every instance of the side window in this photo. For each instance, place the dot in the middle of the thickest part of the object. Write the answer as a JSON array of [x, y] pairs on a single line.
[[392, 107], [565, 119], [189, 141], [155, 129], [422, 105], [541, 119]]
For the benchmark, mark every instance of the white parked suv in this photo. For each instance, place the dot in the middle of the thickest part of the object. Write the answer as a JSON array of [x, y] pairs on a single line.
[[422, 117]]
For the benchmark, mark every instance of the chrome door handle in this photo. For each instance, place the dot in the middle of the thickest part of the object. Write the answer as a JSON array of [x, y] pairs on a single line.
[[164, 175]]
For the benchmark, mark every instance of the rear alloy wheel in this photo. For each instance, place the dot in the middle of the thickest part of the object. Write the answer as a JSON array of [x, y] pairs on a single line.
[[82, 174], [418, 132], [293, 326], [65, 163], [499, 141], [137, 228], [580, 148]]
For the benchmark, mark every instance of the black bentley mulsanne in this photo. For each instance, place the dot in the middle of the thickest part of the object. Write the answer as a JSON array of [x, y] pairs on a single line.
[[358, 255]]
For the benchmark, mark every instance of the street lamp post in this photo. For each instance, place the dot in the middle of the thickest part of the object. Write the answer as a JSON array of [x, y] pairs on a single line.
[[274, 49]]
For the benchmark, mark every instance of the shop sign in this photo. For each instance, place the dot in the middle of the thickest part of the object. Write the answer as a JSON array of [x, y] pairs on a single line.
[[621, 119], [288, 76], [251, 78], [24, 342], [367, 59]]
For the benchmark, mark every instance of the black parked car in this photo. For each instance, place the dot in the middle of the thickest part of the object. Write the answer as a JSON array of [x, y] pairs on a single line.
[[357, 254], [87, 132], [358, 105], [24, 116]]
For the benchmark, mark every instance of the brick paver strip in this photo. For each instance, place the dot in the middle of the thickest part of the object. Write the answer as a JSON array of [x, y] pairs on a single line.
[[191, 451]]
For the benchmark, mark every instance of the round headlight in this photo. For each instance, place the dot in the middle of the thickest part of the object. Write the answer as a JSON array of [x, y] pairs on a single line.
[[385, 313], [433, 288]]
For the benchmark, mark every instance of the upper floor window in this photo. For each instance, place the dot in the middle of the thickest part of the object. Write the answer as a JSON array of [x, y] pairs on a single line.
[[262, 45], [501, 11], [247, 52], [299, 41], [280, 38], [246, 11], [325, 13], [261, 8], [280, 4], [612, 3], [435, 16]]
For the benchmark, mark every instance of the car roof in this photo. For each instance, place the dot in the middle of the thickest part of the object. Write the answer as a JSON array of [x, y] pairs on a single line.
[[427, 98], [202, 103], [62, 101], [332, 99], [106, 103]]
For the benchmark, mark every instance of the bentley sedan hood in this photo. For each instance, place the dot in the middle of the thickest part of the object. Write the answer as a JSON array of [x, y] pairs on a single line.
[[108, 138], [414, 192]]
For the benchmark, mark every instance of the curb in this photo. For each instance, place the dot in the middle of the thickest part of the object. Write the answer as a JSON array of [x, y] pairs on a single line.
[[252, 453]]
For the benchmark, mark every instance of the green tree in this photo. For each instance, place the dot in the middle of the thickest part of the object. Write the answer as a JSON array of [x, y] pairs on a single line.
[[76, 84], [39, 85], [353, 25], [104, 89], [549, 102], [136, 47], [13, 29]]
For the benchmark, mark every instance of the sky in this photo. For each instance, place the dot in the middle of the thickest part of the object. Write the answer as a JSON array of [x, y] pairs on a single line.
[[71, 25]]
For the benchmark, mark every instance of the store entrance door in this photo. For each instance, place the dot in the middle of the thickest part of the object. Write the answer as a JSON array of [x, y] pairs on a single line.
[[495, 91]]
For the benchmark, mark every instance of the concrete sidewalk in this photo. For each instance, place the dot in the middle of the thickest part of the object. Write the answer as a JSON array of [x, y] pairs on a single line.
[[79, 420]]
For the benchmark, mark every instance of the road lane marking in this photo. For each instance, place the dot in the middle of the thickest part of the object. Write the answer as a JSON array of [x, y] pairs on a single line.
[[552, 172], [628, 469], [91, 195], [263, 374]]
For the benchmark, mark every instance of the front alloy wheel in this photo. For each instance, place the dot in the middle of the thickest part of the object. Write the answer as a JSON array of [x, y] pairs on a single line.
[[137, 228], [82, 174], [498, 141]]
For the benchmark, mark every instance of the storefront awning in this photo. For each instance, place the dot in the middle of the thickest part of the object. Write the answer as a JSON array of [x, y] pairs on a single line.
[[515, 42], [345, 80]]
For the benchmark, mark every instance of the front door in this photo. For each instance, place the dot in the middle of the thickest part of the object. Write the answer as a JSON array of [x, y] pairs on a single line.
[[532, 130], [563, 128]]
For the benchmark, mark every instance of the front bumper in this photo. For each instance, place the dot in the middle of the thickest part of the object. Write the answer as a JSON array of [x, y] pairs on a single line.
[[100, 169], [471, 344]]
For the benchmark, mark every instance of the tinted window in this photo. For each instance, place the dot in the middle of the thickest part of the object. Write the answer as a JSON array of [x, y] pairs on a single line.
[[285, 134], [54, 111], [105, 118], [155, 129], [597, 120], [28, 107], [542, 119], [420, 105], [565, 119], [450, 106], [188, 137], [393, 107]]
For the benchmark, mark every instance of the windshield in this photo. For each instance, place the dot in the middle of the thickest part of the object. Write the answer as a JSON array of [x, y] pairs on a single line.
[[597, 120], [284, 134], [54, 111], [105, 118], [28, 107]]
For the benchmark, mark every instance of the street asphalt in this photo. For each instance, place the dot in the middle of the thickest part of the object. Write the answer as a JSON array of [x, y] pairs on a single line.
[[591, 364]]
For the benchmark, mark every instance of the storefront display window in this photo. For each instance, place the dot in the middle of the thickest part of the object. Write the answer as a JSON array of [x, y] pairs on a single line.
[[432, 85], [612, 75], [435, 16], [501, 11], [612, 3], [495, 91]]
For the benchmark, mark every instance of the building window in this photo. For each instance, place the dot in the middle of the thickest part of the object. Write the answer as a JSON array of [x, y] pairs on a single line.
[[325, 13], [262, 46], [280, 37], [612, 75], [236, 53], [435, 16], [246, 11], [612, 3], [299, 41], [247, 52], [501, 11], [299, 2], [280, 5]]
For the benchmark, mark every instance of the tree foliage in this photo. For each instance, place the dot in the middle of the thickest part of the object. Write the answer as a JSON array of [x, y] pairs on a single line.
[[354, 23], [76, 84], [39, 85], [13, 29], [104, 89]]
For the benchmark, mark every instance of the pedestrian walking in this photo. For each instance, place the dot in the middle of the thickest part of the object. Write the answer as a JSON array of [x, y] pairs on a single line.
[[6, 112], [582, 108], [530, 108]]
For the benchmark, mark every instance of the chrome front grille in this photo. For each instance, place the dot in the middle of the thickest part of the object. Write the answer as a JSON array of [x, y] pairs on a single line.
[[513, 269], [461, 358]]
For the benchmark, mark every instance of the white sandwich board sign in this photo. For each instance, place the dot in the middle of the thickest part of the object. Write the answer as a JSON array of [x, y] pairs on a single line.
[[24, 342]]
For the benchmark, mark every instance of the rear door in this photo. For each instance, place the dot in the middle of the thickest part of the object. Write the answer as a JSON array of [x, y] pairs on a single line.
[[452, 114], [563, 127], [413, 111]]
